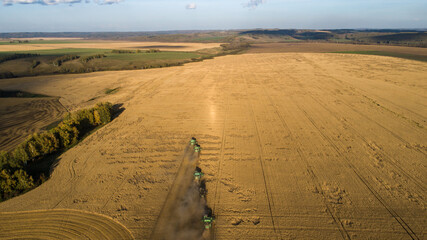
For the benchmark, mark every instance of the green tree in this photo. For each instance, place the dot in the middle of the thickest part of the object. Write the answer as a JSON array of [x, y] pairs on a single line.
[[4, 160], [19, 157], [104, 111], [6, 184], [33, 149], [22, 180]]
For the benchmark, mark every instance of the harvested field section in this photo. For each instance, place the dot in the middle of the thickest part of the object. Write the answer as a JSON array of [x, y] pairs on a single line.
[[21, 117], [63, 224], [294, 146]]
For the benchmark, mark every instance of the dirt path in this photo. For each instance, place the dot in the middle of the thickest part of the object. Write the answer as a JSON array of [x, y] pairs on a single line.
[[295, 146]]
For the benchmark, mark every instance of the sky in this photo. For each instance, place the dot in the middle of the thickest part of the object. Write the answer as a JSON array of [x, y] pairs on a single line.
[[161, 15]]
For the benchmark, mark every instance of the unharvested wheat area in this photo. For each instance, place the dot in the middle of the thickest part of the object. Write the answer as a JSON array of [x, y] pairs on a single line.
[[294, 146]]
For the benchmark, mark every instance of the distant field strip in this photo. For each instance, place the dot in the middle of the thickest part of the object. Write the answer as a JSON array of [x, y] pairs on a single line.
[[109, 45], [108, 52], [60, 224], [42, 42], [389, 54]]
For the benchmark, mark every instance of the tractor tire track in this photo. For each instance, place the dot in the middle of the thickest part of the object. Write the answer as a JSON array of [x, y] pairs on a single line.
[[340, 83], [400, 221], [50, 224], [217, 197], [317, 67], [312, 174], [261, 158], [396, 216], [387, 157]]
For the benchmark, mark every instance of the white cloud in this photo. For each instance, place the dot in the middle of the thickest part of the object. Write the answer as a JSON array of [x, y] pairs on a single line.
[[191, 6], [54, 2], [254, 3], [43, 2], [103, 2]]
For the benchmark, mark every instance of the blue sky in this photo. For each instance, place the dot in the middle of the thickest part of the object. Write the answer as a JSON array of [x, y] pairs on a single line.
[[158, 15]]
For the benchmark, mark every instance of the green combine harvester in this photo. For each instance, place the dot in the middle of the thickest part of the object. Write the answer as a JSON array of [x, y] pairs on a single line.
[[207, 221], [193, 141], [208, 218], [198, 174], [197, 148]]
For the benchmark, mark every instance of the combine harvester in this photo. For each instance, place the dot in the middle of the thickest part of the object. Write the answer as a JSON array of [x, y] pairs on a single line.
[[208, 216], [186, 202]]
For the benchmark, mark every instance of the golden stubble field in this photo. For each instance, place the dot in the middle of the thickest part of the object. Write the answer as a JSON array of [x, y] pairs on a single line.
[[295, 146]]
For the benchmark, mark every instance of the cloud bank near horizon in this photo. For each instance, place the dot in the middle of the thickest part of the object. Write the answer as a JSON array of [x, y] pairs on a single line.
[[55, 2], [191, 6], [254, 3]]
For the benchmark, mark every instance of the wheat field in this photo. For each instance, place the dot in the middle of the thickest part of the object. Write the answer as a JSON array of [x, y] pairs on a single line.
[[294, 146]]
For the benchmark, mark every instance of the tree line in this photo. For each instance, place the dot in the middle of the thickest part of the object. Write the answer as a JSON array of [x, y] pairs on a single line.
[[58, 61], [121, 51], [17, 56], [86, 59], [15, 174]]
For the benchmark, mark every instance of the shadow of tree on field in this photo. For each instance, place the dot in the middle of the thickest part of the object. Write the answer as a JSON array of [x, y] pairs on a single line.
[[117, 110]]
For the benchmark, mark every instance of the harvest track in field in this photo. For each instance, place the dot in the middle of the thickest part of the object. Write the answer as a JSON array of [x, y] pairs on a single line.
[[21, 117], [295, 145], [182, 213], [60, 224]]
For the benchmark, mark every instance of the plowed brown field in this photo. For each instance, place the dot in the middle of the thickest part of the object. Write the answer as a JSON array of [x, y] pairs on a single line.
[[295, 146]]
